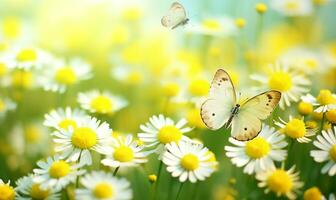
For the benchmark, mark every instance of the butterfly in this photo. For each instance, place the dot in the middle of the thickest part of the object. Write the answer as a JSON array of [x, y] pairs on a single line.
[[223, 109], [176, 16]]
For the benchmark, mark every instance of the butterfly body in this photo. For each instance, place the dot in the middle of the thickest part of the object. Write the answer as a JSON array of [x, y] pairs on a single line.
[[244, 117]]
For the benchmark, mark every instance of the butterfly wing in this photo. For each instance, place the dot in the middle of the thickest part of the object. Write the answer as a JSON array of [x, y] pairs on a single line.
[[176, 15], [216, 110], [246, 124]]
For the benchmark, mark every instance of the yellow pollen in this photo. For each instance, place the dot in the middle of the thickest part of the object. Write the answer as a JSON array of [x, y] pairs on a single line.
[[194, 118], [84, 138], [281, 81], [330, 115], [37, 193], [190, 162], [280, 182], [3, 69], [261, 8], [6, 192], [199, 87], [123, 154], [312, 194], [32, 134], [169, 134], [211, 24], [102, 104], [295, 128], [325, 97], [332, 152], [66, 123], [26, 55], [103, 190], [22, 79], [66, 76], [171, 89], [59, 169], [2, 105], [257, 148], [305, 108]]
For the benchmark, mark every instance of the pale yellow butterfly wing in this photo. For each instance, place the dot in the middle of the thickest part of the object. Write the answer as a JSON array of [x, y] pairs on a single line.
[[176, 16]]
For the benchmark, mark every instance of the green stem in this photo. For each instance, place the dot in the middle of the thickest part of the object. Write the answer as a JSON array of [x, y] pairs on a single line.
[[179, 191], [157, 180], [115, 171], [78, 160]]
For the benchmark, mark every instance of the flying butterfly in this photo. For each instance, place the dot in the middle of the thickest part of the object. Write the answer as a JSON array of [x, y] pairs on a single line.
[[176, 16], [223, 109]]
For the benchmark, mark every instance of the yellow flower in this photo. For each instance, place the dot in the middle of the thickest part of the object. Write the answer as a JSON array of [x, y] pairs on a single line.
[[22, 79], [305, 108], [312, 193], [59, 169], [6, 192], [257, 148], [325, 97], [240, 22], [103, 190], [261, 8], [199, 87], [152, 178], [11, 27], [331, 116], [194, 118]]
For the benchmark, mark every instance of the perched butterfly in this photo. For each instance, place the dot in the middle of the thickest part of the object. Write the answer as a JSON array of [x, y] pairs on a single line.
[[223, 109], [176, 16]]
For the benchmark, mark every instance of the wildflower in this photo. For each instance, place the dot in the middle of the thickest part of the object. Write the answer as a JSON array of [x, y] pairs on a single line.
[[293, 7], [194, 118], [187, 160], [324, 101], [152, 178], [28, 58], [101, 185], [63, 119], [305, 108], [261, 8], [326, 144], [56, 173], [240, 22], [22, 79], [7, 192], [127, 75], [224, 26], [296, 129], [259, 153], [331, 116], [101, 102], [280, 181], [312, 194]]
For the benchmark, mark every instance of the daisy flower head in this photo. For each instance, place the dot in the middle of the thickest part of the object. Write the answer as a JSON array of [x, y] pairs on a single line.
[[297, 129], [63, 119], [62, 74], [313, 193], [161, 130], [280, 181], [6, 105], [125, 153], [7, 192], [326, 144], [76, 144], [212, 26], [101, 102], [293, 7], [56, 173], [127, 75], [189, 161], [259, 153], [325, 101], [101, 185], [291, 84], [331, 116], [28, 190]]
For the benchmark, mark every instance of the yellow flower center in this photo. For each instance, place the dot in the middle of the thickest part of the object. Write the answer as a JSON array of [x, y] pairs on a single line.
[[102, 104], [311, 63], [2, 105], [257, 148], [84, 138], [305, 108], [281, 81], [11, 27], [32, 134], [295, 128], [66, 123], [240, 22], [199, 87], [123, 154], [261, 8], [37, 193], [171, 89], [292, 5], [330, 115], [6, 192], [134, 78], [312, 194], [211, 24], [332, 152], [59, 169], [66, 76], [3, 69], [194, 118], [26, 55], [280, 182], [325, 97], [190, 162], [22, 79], [169, 134], [103, 190]]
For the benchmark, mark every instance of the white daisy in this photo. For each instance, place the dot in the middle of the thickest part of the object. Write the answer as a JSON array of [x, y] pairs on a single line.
[[290, 83], [259, 153], [60, 74], [161, 130], [6, 105], [90, 134], [101, 185], [280, 181], [127, 75], [125, 152], [56, 173], [325, 101], [293, 7], [188, 160], [7, 192], [62, 119], [326, 143], [224, 26], [297, 129], [101, 102], [28, 190]]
